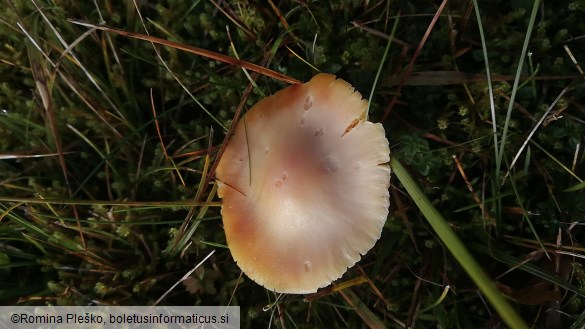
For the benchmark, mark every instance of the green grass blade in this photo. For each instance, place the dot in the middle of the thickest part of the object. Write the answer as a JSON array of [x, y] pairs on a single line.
[[557, 161], [526, 217], [361, 309], [576, 187], [457, 248], [489, 77], [530, 268], [579, 322], [386, 51], [535, 7]]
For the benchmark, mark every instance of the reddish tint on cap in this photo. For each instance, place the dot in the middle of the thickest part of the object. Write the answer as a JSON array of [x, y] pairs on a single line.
[[304, 181]]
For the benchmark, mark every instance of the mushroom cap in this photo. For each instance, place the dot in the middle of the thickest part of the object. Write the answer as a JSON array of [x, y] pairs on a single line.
[[304, 181]]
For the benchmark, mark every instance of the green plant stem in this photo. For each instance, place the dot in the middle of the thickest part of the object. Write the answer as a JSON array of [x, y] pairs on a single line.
[[535, 7], [386, 51], [457, 248]]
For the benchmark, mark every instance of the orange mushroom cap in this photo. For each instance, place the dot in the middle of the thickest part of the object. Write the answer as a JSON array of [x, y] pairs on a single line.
[[304, 181]]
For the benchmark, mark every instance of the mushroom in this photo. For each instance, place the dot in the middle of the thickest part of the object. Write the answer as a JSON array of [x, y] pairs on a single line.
[[304, 181]]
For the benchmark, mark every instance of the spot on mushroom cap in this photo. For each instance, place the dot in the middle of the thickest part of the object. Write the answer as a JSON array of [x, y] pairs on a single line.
[[304, 182]]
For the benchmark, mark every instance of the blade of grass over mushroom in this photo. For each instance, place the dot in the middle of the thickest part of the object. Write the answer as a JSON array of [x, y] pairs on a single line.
[[235, 119], [502, 146], [195, 50], [457, 248]]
